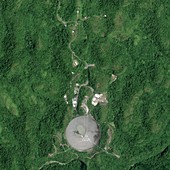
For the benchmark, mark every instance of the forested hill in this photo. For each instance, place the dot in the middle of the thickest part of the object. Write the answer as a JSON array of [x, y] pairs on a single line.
[[45, 49]]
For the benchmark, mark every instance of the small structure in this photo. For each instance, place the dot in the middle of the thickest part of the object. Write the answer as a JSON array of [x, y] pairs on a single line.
[[75, 63], [65, 98], [82, 133], [74, 102], [99, 98], [114, 77], [76, 89]]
